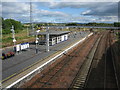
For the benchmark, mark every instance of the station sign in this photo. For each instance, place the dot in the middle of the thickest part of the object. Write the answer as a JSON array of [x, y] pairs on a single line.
[[18, 47], [22, 46]]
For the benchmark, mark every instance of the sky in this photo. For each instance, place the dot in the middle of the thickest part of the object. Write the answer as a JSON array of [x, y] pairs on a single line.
[[61, 11]]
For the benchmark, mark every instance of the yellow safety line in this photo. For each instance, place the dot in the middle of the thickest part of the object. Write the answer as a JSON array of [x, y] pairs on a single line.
[[9, 77], [28, 66]]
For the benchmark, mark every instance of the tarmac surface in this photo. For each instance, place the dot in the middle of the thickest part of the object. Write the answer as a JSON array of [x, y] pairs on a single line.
[[28, 57]]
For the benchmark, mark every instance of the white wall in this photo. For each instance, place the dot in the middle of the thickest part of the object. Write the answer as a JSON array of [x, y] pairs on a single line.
[[53, 41], [65, 37], [62, 38], [58, 39]]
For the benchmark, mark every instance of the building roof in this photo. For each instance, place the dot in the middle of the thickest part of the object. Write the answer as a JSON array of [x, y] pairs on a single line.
[[51, 32]]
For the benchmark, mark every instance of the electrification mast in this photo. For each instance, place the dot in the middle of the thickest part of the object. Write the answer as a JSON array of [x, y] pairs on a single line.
[[31, 18]]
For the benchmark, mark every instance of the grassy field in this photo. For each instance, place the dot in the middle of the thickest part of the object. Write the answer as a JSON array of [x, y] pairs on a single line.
[[20, 37]]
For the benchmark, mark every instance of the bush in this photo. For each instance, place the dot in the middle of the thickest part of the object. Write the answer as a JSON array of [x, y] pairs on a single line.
[[6, 31], [7, 24]]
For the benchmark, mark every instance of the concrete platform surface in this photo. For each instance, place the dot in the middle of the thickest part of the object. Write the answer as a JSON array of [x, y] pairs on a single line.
[[25, 59]]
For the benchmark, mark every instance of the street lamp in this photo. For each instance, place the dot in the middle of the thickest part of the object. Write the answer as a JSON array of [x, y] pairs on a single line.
[[14, 40], [37, 40]]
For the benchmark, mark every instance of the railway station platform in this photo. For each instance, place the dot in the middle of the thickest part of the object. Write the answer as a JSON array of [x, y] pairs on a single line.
[[23, 60]]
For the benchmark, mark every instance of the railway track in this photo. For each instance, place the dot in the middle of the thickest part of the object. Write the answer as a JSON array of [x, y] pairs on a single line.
[[79, 80], [95, 63], [110, 75], [115, 50], [100, 71], [46, 79]]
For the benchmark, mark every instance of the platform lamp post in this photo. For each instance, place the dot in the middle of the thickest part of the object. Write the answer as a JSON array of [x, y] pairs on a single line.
[[36, 41], [14, 40]]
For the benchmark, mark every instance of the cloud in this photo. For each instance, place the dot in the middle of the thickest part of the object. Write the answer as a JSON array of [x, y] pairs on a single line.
[[86, 19], [18, 11], [41, 15], [21, 11], [86, 12], [9, 0], [46, 13], [107, 19], [15, 8], [28, 0], [102, 9], [60, 0], [0, 10], [54, 5], [93, 8], [93, 11], [79, 19], [88, 1]]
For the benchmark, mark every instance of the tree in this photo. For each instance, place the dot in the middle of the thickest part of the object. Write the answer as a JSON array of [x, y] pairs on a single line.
[[116, 24], [71, 24], [7, 24]]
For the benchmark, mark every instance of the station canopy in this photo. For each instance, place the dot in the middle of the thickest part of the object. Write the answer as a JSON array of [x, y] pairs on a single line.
[[51, 32]]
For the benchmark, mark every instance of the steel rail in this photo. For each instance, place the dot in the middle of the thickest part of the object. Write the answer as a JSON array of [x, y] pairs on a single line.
[[80, 78], [64, 61]]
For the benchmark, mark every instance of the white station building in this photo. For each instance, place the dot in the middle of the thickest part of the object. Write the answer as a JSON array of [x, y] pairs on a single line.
[[55, 37]]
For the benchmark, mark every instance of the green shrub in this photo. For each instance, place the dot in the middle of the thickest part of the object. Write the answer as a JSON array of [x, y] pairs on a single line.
[[6, 31]]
